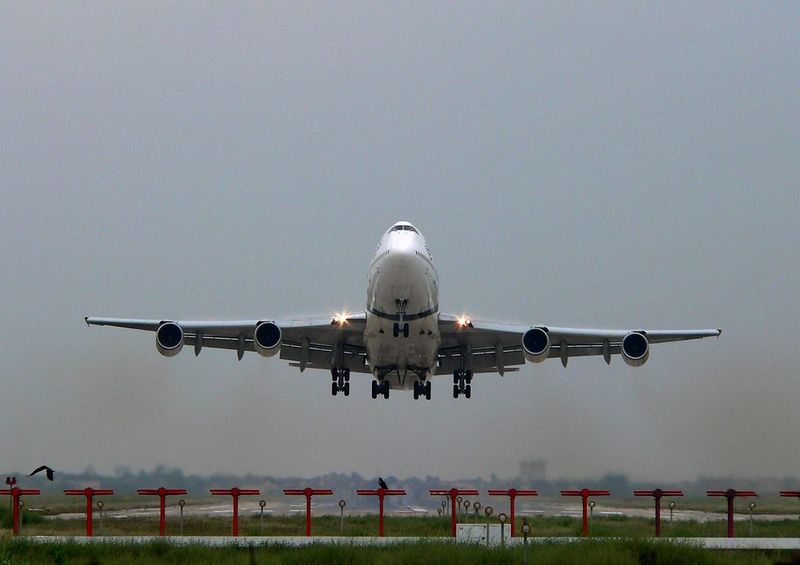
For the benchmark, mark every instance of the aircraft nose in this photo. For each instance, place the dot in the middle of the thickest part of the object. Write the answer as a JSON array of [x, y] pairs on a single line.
[[403, 253]]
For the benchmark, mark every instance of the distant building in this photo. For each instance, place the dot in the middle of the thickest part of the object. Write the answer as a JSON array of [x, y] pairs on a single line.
[[532, 470]]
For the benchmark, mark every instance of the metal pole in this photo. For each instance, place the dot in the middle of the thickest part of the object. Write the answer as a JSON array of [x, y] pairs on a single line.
[[100, 508], [342, 504], [526, 529], [752, 507], [181, 503], [262, 503]]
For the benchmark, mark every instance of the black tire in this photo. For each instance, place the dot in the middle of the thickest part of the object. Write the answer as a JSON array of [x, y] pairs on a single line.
[[347, 375], [334, 388], [335, 374], [468, 391], [468, 377], [386, 389], [416, 390], [455, 391], [428, 390], [456, 377], [346, 389], [395, 330], [405, 330], [374, 389]]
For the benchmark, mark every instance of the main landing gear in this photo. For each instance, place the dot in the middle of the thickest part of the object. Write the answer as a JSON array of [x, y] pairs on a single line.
[[381, 388], [462, 383], [341, 381], [422, 389]]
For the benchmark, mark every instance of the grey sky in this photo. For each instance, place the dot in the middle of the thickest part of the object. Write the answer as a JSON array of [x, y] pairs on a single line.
[[589, 164]]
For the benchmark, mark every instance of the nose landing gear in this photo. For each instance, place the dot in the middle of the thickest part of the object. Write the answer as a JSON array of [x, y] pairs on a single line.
[[462, 383], [398, 329], [341, 381], [381, 388], [422, 389]]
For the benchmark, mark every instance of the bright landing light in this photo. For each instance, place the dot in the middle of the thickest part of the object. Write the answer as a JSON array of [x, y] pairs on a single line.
[[339, 318], [463, 322]]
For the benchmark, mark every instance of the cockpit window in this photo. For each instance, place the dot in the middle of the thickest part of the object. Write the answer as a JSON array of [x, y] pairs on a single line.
[[403, 227]]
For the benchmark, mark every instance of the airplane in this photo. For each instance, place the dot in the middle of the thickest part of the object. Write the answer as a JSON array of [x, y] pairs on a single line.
[[401, 338]]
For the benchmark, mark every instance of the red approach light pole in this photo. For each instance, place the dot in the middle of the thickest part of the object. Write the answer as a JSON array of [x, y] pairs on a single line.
[[162, 493], [235, 492], [657, 494], [380, 493], [791, 493], [453, 493], [730, 494], [585, 494], [89, 493], [308, 493], [512, 493], [15, 493]]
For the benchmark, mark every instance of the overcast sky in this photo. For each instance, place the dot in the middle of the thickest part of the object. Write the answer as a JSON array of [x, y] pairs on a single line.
[[630, 165]]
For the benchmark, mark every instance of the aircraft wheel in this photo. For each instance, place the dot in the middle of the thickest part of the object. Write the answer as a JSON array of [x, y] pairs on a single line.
[[468, 391], [396, 330], [334, 388], [428, 390], [347, 375], [455, 391], [456, 377], [416, 391], [468, 377], [374, 389], [385, 389], [346, 389], [405, 330]]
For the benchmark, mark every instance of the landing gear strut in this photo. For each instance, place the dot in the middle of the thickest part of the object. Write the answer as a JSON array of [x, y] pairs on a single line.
[[380, 388], [341, 381], [422, 388], [462, 383]]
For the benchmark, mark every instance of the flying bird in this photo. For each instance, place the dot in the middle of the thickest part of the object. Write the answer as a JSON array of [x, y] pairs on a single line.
[[46, 469], [382, 483]]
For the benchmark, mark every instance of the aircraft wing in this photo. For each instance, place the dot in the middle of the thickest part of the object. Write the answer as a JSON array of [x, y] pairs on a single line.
[[495, 347], [305, 342]]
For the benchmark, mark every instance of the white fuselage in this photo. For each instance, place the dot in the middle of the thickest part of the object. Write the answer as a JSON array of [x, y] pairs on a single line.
[[402, 329]]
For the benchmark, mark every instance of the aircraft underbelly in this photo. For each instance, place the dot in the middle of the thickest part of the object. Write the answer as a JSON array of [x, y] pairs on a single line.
[[417, 351]]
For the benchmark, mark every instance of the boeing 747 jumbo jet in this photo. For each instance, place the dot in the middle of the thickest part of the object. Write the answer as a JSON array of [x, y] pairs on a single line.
[[401, 338]]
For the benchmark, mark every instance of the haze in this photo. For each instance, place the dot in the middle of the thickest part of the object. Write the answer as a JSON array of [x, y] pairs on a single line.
[[593, 164]]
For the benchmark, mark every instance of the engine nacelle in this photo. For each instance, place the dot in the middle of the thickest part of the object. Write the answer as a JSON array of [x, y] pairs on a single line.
[[635, 349], [169, 339], [267, 338], [536, 345]]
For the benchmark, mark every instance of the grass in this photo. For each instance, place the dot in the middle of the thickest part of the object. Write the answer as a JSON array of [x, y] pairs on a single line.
[[600, 552], [406, 526]]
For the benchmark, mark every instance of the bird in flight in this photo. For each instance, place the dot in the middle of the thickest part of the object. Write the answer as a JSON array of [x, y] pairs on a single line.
[[47, 471], [382, 483]]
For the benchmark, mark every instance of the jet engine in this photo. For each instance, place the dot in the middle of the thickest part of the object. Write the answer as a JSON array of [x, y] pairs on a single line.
[[267, 338], [536, 344], [169, 339], [635, 349]]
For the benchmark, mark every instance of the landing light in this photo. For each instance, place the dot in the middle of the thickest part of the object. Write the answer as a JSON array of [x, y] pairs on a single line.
[[463, 322], [339, 319]]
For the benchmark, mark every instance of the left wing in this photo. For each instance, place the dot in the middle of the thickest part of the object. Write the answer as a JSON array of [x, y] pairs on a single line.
[[494, 347], [318, 342]]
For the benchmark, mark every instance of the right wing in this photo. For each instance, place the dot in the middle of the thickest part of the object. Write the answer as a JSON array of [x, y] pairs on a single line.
[[498, 347], [317, 342]]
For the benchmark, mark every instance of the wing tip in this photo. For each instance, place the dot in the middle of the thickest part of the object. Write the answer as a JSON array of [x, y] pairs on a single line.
[[86, 319]]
